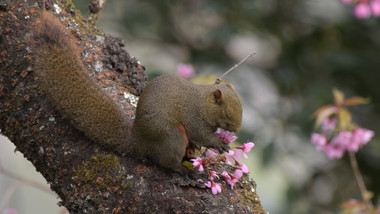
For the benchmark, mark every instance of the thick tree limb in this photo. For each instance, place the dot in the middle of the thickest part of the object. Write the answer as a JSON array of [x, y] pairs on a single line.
[[89, 178]]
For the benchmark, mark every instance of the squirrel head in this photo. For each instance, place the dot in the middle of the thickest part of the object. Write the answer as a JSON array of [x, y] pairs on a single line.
[[224, 107]]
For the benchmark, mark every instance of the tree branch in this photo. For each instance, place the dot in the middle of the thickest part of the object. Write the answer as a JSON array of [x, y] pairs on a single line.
[[87, 177]]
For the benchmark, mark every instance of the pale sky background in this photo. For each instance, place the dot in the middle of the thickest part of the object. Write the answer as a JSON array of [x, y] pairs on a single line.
[[25, 199]]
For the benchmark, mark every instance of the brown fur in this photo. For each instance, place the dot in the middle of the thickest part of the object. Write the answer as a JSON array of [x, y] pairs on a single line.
[[61, 72], [168, 101], [170, 113]]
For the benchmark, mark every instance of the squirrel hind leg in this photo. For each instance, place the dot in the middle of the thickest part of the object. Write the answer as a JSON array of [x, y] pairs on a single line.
[[169, 151]]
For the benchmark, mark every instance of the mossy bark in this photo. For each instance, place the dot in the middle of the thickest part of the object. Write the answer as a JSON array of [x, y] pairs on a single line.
[[64, 156]]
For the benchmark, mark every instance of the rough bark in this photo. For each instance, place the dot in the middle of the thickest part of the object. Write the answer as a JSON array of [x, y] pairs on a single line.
[[87, 177]]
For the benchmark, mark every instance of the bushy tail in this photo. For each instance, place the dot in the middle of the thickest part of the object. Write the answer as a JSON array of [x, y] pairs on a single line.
[[61, 74]]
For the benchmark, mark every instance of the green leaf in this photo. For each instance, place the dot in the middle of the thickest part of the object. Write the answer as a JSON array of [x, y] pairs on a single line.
[[321, 109], [188, 165], [356, 101], [323, 113], [344, 118], [338, 96]]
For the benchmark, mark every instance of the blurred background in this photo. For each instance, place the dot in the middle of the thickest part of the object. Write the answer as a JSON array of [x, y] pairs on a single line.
[[304, 48]]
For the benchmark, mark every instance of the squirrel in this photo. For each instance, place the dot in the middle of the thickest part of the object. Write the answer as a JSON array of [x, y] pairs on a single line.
[[171, 112]]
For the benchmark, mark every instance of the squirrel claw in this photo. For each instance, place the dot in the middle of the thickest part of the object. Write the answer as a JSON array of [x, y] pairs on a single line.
[[220, 150], [226, 148]]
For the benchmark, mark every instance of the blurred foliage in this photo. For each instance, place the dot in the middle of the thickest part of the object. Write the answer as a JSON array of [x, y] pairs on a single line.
[[305, 47]]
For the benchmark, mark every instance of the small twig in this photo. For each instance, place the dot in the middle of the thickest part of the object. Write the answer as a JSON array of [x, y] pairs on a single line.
[[359, 179], [235, 66], [96, 7]]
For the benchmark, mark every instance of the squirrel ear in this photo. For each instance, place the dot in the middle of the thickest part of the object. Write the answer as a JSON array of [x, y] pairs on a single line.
[[231, 86], [217, 96]]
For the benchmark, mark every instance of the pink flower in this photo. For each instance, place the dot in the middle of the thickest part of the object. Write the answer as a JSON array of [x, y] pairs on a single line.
[[185, 70], [198, 163], [335, 148], [211, 154], [338, 145], [232, 179], [238, 174], [319, 140], [342, 139], [229, 153], [334, 151], [363, 135], [328, 124], [243, 167], [225, 136], [375, 7], [233, 155], [226, 176], [352, 147], [362, 10], [229, 156], [215, 187], [212, 175], [246, 148], [360, 137]]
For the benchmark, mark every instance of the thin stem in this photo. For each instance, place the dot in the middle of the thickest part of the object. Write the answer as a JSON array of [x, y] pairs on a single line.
[[233, 67], [359, 179]]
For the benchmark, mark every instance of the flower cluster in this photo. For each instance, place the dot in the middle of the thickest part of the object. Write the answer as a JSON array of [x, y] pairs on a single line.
[[338, 134], [342, 141], [363, 9], [225, 165]]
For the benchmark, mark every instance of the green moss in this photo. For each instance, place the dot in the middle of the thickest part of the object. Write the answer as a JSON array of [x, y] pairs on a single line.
[[102, 173], [78, 18], [248, 196]]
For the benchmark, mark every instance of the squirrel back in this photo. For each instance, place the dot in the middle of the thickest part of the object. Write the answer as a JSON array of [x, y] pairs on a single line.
[[78, 98]]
